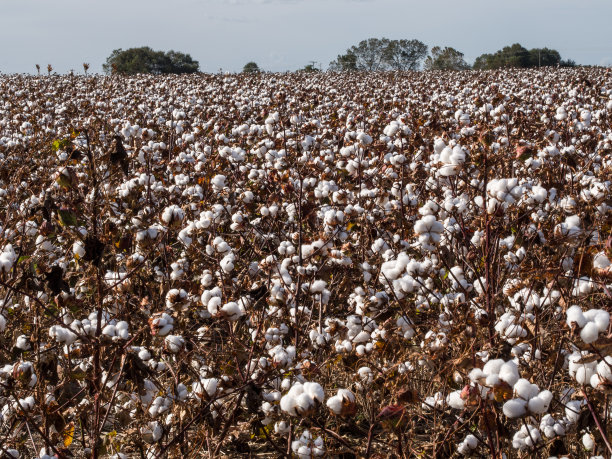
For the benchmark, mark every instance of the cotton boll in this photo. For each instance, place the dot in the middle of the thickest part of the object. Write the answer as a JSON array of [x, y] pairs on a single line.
[[335, 404], [515, 408], [492, 367], [174, 343], [455, 401], [572, 410], [589, 333], [232, 311], [23, 343], [218, 182], [537, 405], [476, 375], [588, 442], [78, 249], [315, 391], [602, 320], [524, 389], [304, 404], [583, 374], [574, 314], [509, 372], [604, 368]]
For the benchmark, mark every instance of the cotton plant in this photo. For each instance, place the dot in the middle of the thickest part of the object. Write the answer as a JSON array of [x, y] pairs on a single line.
[[307, 227]]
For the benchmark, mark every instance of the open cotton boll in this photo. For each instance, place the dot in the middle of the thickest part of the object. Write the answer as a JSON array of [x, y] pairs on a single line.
[[455, 401], [509, 372], [584, 374], [60, 334], [602, 320], [315, 391], [515, 408], [7, 258], [589, 333], [78, 249], [335, 404], [492, 367], [601, 261], [288, 404], [525, 390], [604, 368], [476, 375], [172, 215], [232, 311], [218, 182], [574, 314], [539, 405], [588, 442], [174, 343], [210, 386], [304, 403], [318, 286]]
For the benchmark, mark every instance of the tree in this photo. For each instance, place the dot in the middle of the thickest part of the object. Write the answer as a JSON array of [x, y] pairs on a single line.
[[445, 59], [251, 67], [517, 56], [344, 63], [310, 68], [146, 60], [404, 54], [369, 54], [376, 54]]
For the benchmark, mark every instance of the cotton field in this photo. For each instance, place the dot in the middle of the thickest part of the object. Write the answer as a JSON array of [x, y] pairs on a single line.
[[306, 265]]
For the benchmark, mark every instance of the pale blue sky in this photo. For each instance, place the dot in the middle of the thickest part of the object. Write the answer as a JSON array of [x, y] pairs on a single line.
[[287, 34]]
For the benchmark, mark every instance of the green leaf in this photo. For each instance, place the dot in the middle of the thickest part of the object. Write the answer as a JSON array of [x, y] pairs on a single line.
[[60, 144]]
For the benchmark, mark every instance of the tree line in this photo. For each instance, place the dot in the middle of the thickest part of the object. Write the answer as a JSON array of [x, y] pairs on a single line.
[[372, 54]]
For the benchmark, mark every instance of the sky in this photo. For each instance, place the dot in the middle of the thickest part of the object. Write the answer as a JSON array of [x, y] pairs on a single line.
[[285, 35]]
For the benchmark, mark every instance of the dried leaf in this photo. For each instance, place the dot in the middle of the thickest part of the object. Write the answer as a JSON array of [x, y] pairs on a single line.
[[68, 434]]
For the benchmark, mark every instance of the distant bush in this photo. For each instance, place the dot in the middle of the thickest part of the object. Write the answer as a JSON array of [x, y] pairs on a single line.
[[518, 56], [145, 60]]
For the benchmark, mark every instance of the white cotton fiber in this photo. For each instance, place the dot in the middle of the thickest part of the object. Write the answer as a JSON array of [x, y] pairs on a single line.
[[602, 320], [509, 373], [524, 389], [515, 408], [604, 368], [492, 367], [574, 314], [589, 333]]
